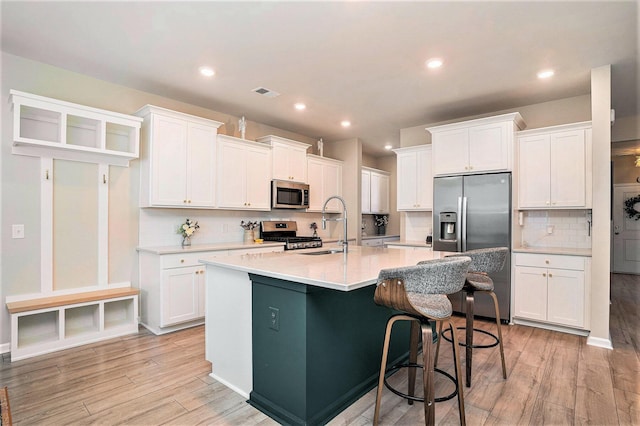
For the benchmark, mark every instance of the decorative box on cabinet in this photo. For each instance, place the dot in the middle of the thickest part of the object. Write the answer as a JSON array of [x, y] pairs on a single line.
[[324, 176], [289, 158], [475, 146], [45, 127], [243, 174], [375, 191], [552, 291], [555, 167], [49, 324], [178, 161], [415, 178]]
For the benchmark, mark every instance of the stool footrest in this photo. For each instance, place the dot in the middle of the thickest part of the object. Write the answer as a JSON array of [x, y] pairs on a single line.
[[489, 345], [411, 398]]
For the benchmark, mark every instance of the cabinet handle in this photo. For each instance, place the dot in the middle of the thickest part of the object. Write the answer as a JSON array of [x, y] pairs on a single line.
[[544, 274], [46, 174], [104, 178]]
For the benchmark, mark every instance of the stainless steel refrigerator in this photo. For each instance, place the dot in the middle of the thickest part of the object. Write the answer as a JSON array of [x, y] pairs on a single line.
[[472, 212]]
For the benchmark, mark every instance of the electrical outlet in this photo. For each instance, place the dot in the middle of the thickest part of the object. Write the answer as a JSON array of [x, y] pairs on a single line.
[[17, 231], [274, 318]]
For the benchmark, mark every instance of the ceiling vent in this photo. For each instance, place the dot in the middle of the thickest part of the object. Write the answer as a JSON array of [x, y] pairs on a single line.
[[266, 92]]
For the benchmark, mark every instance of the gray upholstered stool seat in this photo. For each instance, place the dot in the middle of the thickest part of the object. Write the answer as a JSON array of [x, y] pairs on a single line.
[[420, 291], [483, 263]]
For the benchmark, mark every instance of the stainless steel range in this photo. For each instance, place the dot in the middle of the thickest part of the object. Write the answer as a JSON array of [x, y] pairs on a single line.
[[285, 231]]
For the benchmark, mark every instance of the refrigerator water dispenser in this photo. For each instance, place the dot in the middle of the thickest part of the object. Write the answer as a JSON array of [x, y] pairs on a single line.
[[448, 223]]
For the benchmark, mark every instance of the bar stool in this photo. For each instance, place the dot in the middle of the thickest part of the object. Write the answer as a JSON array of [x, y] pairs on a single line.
[[483, 262], [420, 292]]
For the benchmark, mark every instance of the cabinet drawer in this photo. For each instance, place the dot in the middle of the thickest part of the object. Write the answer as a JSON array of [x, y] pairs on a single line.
[[188, 259], [575, 263]]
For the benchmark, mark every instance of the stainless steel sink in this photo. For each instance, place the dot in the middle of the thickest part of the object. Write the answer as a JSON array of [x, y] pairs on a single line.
[[317, 253]]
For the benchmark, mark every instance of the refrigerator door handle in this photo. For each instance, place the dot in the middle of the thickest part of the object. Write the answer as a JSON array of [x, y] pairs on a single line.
[[459, 226], [463, 220]]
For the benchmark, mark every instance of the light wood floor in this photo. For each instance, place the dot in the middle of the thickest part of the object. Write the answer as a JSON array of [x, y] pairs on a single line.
[[553, 379]]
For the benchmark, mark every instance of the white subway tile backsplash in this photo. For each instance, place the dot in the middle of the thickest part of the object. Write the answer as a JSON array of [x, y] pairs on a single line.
[[570, 228]]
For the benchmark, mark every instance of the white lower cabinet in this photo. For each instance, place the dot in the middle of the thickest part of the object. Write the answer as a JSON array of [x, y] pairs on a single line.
[[172, 287], [378, 242], [552, 289]]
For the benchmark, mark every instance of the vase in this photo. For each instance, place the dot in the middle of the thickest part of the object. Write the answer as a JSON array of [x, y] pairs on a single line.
[[186, 241], [248, 235], [381, 230]]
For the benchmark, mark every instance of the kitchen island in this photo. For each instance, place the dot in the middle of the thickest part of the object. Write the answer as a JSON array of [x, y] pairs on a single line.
[[297, 333]]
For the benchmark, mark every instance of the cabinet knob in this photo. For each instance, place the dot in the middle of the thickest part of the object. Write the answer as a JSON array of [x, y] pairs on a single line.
[[189, 201], [548, 203], [550, 275], [184, 201], [544, 274], [546, 261], [181, 260]]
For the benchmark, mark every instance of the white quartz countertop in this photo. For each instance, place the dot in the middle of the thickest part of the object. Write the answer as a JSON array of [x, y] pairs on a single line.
[[409, 243], [554, 250], [358, 268], [208, 247]]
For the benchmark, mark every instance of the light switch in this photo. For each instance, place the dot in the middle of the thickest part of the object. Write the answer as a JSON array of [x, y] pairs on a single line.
[[17, 231]]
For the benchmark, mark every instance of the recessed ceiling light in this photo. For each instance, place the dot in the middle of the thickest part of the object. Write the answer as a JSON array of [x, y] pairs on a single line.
[[207, 71], [300, 106], [434, 63], [545, 73], [388, 146], [345, 123]]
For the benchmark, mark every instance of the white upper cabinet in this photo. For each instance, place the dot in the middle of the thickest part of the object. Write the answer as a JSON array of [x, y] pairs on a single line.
[[475, 146], [179, 157], [554, 167], [375, 191], [415, 178], [45, 127], [243, 174], [324, 176], [289, 158]]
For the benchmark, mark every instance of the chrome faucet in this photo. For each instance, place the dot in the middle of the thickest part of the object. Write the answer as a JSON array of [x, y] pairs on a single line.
[[344, 243]]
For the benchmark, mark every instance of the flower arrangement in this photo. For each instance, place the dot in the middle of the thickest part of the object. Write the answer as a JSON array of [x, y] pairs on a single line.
[[248, 226], [188, 228], [314, 226], [381, 220]]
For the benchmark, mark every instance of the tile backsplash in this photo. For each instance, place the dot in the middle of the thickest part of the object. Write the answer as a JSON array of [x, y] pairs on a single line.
[[556, 228]]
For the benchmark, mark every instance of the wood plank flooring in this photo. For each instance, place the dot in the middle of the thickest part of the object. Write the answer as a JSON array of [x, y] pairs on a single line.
[[553, 379]]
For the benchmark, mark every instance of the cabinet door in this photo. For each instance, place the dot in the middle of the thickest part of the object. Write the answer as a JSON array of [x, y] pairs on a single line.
[[568, 169], [408, 181], [489, 147], [534, 171], [332, 185], [289, 163], [315, 179], [424, 181], [365, 187], [530, 293], [179, 295], [169, 162], [280, 161], [566, 297], [258, 179], [201, 165], [231, 175], [379, 193], [451, 152], [298, 164]]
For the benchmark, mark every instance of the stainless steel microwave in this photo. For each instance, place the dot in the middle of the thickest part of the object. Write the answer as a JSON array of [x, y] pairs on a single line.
[[289, 195]]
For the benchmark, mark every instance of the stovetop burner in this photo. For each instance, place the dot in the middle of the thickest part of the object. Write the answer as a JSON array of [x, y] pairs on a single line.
[[285, 231]]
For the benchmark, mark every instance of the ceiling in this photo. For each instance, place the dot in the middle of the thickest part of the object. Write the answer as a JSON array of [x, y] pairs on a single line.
[[355, 60]]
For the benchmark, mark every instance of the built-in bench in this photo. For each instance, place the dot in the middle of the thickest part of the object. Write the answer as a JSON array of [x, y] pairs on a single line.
[[47, 324]]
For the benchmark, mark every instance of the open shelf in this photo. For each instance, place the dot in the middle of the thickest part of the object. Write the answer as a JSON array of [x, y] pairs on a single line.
[[81, 320], [37, 329], [40, 124], [118, 313]]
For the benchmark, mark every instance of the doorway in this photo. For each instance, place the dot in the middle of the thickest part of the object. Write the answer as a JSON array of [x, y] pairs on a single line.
[[626, 229]]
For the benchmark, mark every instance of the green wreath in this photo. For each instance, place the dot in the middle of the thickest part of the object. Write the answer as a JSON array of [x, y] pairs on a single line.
[[631, 212]]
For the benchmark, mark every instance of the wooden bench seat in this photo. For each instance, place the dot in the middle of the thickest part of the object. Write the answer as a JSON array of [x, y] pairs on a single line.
[[69, 299]]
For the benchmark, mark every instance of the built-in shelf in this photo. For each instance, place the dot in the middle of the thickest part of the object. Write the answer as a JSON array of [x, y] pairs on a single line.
[[45, 127]]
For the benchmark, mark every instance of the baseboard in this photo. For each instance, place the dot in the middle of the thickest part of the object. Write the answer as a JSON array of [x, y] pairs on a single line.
[[600, 342], [5, 347]]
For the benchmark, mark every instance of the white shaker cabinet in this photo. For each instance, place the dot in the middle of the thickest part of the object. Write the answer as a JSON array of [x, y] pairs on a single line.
[[551, 290], [243, 174], [415, 178], [475, 146], [178, 159], [289, 158], [375, 191], [324, 176], [554, 167]]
